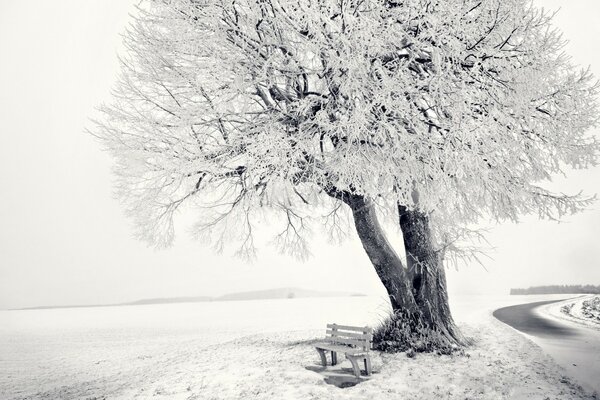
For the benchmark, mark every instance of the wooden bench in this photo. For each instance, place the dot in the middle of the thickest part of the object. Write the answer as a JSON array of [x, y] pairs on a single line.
[[353, 341]]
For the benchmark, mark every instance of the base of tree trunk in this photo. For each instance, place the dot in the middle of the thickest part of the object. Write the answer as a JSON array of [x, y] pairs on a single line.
[[407, 332]]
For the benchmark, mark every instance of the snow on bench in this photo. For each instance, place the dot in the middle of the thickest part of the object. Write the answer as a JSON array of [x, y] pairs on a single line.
[[353, 341]]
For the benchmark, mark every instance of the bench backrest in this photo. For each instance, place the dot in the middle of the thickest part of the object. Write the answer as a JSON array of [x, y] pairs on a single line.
[[355, 336]]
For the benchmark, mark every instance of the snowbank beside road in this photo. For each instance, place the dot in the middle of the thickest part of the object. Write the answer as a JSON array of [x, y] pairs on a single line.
[[582, 310], [585, 310]]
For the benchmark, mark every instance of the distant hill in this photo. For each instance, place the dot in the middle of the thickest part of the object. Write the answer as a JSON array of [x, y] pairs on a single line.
[[558, 289], [281, 293], [167, 300]]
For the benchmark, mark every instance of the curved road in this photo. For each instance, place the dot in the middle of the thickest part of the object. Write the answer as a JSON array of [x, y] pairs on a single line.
[[523, 317], [575, 348]]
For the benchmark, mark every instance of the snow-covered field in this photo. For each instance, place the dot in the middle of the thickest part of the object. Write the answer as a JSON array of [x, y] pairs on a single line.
[[258, 350]]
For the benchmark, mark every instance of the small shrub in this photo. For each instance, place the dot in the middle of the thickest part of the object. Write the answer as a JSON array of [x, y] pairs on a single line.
[[566, 309], [402, 331], [591, 309]]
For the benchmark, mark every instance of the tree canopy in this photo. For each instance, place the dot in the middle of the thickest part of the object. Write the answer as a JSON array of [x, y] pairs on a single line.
[[460, 109]]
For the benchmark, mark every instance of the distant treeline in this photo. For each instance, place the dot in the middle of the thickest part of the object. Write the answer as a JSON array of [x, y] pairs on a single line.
[[557, 289]]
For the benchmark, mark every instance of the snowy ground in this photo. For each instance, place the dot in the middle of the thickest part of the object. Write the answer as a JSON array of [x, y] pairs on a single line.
[[258, 350]]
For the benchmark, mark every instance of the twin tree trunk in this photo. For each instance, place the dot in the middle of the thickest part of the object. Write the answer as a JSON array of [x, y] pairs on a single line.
[[417, 292]]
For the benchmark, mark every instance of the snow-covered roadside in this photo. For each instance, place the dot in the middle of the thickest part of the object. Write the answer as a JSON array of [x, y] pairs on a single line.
[[502, 364], [572, 311]]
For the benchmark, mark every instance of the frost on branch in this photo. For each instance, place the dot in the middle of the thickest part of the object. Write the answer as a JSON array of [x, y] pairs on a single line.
[[251, 108]]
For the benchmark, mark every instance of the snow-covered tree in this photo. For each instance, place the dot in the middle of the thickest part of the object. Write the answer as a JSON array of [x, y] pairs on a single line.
[[429, 114]]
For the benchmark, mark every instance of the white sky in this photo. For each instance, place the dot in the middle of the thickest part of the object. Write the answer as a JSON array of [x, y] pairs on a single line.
[[64, 238]]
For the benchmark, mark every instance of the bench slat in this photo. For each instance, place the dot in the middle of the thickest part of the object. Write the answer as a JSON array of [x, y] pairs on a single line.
[[352, 342], [365, 336], [350, 328], [341, 349]]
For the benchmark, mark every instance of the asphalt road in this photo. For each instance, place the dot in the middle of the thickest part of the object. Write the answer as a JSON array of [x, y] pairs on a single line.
[[523, 317], [576, 348]]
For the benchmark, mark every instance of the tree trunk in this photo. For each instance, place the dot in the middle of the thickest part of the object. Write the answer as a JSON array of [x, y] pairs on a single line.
[[421, 320], [426, 273], [387, 263]]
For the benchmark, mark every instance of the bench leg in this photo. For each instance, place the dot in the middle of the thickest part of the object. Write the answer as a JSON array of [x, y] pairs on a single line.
[[323, 357], [368, 364], [355, 366], [333, 358]]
